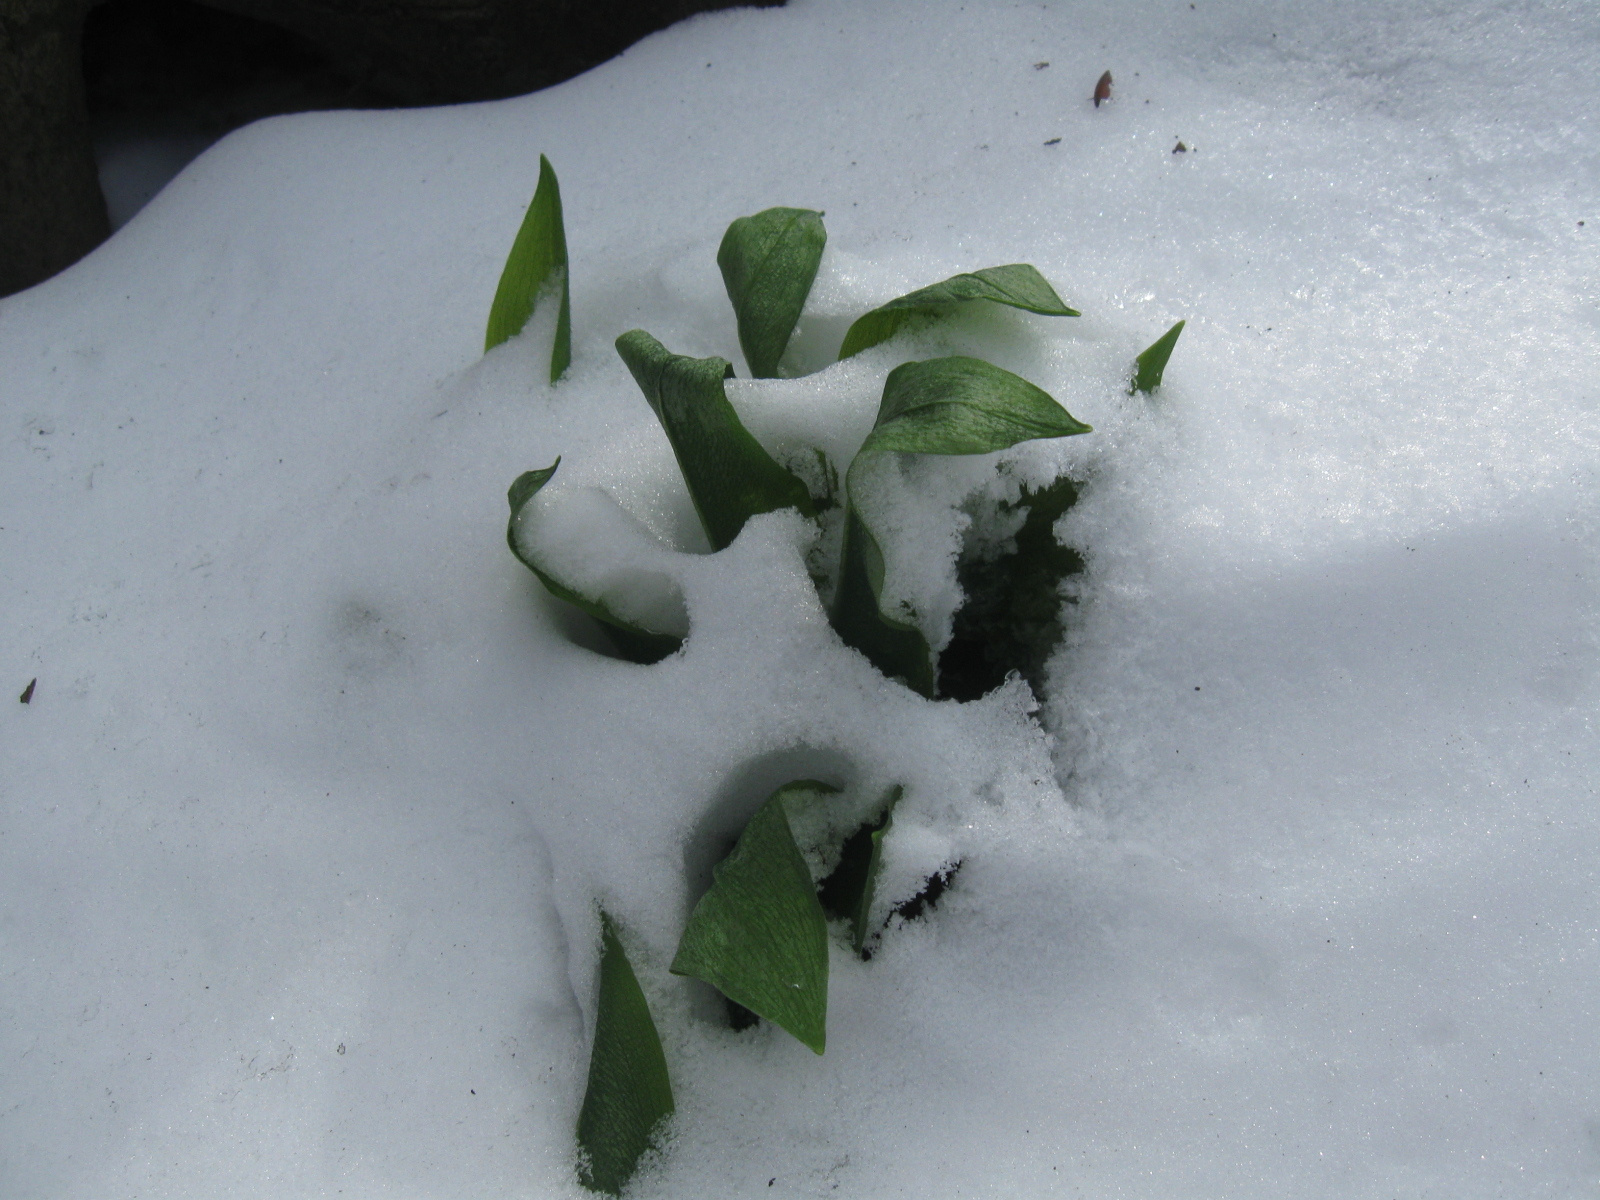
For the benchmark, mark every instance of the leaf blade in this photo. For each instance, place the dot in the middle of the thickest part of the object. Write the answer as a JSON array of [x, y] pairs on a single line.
[[629, 1092], [769, 262], [1149, 366], [730, 475], [848, 893], [635, 642], [537, 254], [954, 405], [895, 647], [1016, 285], [759, 935]]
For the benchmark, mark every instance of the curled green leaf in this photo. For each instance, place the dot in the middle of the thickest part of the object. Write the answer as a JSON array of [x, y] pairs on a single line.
[[730, 475], [849, 891], [895, 647], [629, 1094], [1017, 285], [759, 935], [769, 262], [954, 405], [633, 639], [538, 259], [1148, 367]]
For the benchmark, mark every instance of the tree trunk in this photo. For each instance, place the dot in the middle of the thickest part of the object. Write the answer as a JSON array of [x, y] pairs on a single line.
[[51, 210]]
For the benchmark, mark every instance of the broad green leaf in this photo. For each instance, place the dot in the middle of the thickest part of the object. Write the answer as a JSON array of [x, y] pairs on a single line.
[[731, 477], [1148, 367], [537, 255], [629, 1094], [1016, 285], [953, 405], [635, 642], [961, 405], [769, 262], [759, 935]]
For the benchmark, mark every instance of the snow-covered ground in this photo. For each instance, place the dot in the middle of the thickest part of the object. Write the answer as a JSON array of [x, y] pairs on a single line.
[[1291, 892]]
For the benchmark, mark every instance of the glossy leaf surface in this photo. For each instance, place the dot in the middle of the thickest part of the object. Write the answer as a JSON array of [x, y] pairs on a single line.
[[1149, 366], [759, 935], [635, 642], [730, 475], [629, 1093], [1016, 285], [537, 255], [769, 262]]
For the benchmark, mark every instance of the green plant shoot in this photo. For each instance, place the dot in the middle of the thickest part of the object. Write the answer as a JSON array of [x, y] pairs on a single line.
[[1016, 285], [730, 475], [954, 405], [860, 921], [769, 262], [759, 935], [538, 257], [1148, 367], [629, 1094], [633, 640], [850, 890]]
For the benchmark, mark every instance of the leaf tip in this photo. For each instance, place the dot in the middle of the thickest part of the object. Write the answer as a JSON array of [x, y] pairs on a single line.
[[1150, 365]]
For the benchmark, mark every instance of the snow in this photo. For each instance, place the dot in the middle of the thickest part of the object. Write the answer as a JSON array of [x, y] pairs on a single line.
[[1287, 888]]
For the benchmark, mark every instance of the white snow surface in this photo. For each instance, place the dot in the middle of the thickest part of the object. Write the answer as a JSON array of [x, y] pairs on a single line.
[[1286, 889]]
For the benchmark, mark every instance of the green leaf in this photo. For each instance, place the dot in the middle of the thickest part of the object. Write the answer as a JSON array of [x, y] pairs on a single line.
[[634, 641], [1017, 285], [961, 405], [730, 475], [1147, 368], [759, 935], [849, 891], [895, 647], [953, 405], [629, 1094], [869, 885], [538, 254], [769, 262]]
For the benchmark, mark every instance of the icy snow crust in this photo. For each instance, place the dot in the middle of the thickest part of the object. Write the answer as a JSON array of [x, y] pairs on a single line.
[[1287, 889]]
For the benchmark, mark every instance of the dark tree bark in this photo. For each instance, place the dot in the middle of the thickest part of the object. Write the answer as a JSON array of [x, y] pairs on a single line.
[[51, 210], [448, 51], [413, 51]]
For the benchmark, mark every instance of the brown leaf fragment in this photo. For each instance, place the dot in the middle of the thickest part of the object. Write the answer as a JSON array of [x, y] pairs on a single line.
[[1102, 90], [27, 692], [1180, 148]]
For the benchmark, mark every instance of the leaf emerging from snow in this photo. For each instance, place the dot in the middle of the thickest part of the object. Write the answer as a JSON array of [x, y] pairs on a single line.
[[759, 935], [538, 259], [1017, 285], [954, 405], [769, 262], [730, 475], [634, 640], [1148, 367], [629, 1094]]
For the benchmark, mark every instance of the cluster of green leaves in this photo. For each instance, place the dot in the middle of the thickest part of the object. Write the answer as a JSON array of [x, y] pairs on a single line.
[[760, 934]]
